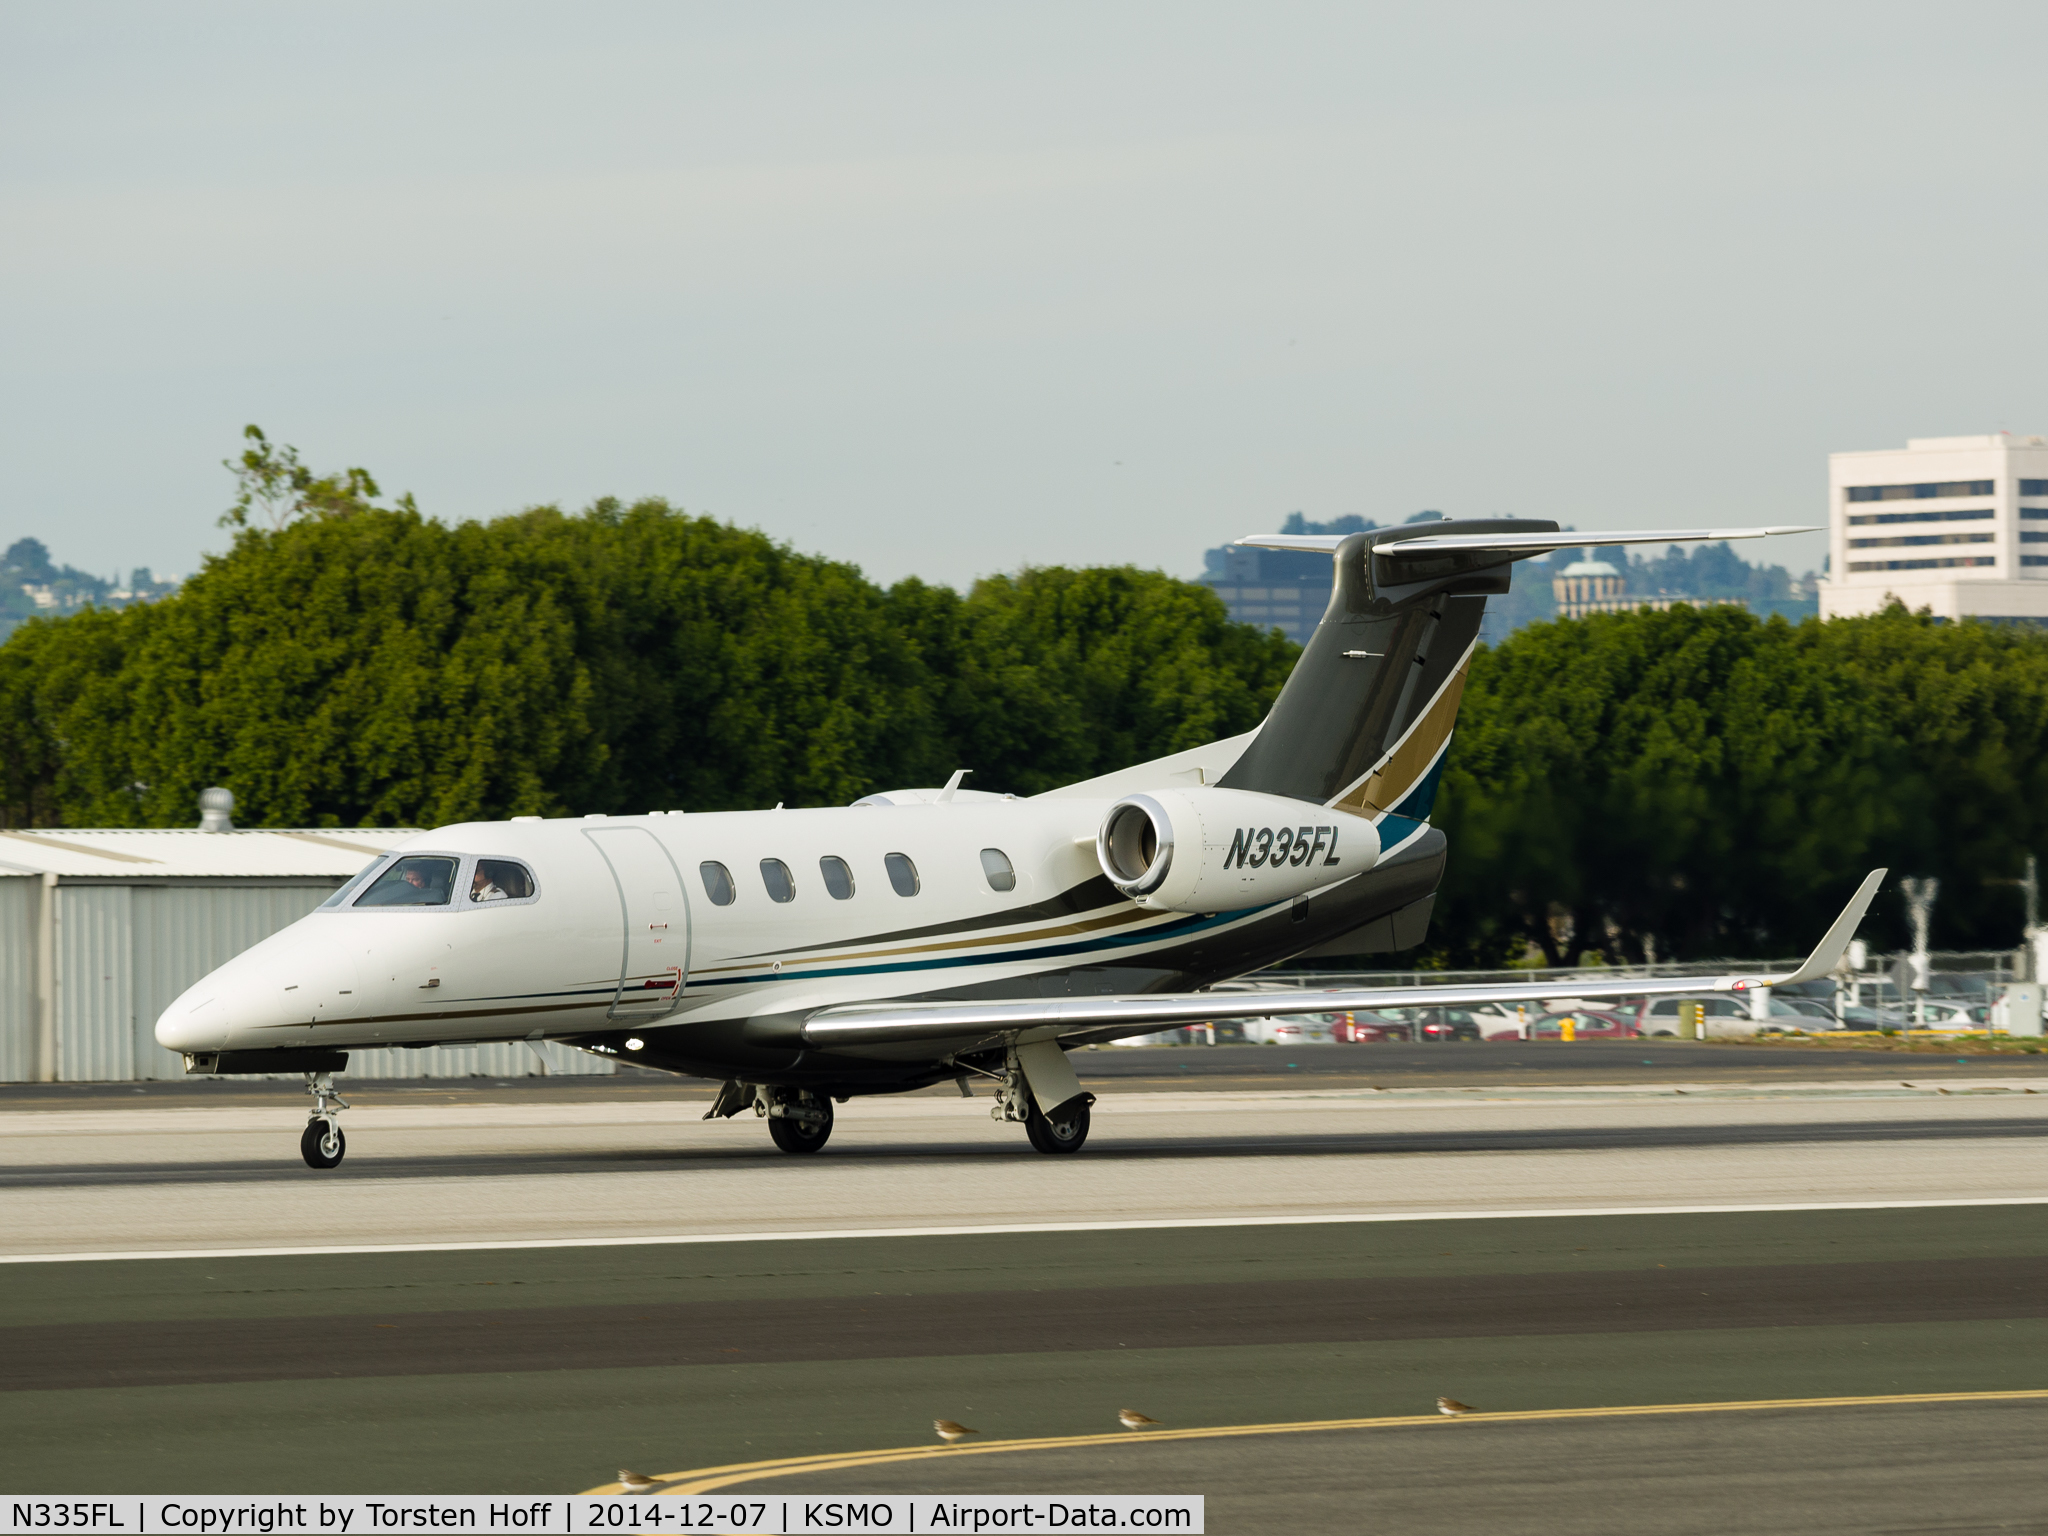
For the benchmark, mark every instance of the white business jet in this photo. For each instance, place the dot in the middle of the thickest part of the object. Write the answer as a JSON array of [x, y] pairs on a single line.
[[806, 957]]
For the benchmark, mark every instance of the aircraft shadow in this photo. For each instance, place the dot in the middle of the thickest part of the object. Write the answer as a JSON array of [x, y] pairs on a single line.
[[365, 1163]]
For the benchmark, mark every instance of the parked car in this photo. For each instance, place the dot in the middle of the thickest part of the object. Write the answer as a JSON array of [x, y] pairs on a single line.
[[1952, 1016], [1728, 1014], [1822, 1015], [1294, 1029], [1587, 1024], [1413, 1025]]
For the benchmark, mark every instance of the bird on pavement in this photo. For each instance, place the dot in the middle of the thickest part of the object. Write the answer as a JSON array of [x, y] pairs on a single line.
[[1130, 1418], [1451, 1406], [638, 1482], [951, 1432]]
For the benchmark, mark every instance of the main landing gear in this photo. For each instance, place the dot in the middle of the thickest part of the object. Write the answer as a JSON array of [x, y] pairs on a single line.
[[1062, 1130], [323, 1144]]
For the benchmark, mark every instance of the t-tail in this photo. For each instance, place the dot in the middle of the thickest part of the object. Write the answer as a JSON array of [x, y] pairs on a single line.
[[1365, 721]]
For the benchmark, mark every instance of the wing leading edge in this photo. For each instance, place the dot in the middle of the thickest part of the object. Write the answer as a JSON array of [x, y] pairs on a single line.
[[1106, 1017]]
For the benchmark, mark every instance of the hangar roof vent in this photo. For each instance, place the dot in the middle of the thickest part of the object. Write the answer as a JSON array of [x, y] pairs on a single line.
[[216, 810]]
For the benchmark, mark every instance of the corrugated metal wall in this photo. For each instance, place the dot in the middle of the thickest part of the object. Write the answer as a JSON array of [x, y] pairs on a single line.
[[124, 953], [95, 983], [182, 932], [19, 897]]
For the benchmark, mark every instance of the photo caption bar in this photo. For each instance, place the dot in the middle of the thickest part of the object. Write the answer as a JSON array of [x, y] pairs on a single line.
[[864, 1514]]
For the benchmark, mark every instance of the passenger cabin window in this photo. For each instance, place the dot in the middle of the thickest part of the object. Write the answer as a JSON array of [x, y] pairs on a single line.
[[417, 881], [838, 878], [902, 873], [717, 883], [775, 875], [500, 880], [996, 865]]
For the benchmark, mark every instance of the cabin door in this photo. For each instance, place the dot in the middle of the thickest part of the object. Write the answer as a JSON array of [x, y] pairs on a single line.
[[655, 954]]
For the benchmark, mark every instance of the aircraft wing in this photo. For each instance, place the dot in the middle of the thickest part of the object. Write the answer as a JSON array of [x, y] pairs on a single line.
[[856, 1025]]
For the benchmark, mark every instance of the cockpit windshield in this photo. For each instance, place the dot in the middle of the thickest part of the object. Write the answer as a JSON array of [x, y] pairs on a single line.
[[416, 881], [355, 883]]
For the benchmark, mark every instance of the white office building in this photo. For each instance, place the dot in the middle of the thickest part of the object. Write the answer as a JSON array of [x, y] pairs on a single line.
[[1958, 525]]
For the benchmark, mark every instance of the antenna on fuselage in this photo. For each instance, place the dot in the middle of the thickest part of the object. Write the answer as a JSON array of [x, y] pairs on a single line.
[[952, 784]]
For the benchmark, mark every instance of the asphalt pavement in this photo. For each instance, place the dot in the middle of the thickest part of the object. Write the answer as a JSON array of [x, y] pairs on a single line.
[[1113, 1069], [652, 1290]]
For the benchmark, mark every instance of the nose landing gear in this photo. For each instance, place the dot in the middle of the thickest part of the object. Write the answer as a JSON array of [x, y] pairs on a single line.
[[322, 1145], [798, 1120]]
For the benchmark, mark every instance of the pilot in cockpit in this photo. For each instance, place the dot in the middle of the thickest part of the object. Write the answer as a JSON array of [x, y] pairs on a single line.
[[500, 880]]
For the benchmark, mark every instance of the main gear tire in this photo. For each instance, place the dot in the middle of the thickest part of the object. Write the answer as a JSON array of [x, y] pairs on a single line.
[[802, 1135], [1064, 1131], [316, 1147]]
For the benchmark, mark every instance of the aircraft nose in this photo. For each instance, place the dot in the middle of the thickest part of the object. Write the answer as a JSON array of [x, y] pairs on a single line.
[[229, 1001], [197, 1021]]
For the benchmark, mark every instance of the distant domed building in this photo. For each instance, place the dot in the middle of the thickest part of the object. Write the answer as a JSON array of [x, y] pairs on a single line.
[[1588, 586], [1594, 586]]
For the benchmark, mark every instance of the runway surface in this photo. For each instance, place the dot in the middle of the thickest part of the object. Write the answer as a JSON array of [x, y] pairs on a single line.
[[1903, 1468], [434, 1168], [1244, 1067], [543, 1369]]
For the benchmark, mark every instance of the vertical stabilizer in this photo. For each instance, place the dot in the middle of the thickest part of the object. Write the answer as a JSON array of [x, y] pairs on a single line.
[[1365, 719]]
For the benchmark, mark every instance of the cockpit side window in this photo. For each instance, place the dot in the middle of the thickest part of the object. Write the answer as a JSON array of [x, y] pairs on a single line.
[[500, 880], [418, 880]]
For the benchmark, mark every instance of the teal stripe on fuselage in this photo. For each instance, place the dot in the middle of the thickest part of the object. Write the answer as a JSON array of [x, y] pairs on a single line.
[[1396, 830]]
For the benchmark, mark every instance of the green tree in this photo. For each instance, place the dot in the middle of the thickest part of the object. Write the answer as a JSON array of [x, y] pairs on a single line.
[[277, 489], [365, 665], [1714, 784]]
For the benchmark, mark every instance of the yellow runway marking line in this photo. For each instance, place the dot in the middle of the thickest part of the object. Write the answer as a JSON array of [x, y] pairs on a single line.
[[707, 1479]]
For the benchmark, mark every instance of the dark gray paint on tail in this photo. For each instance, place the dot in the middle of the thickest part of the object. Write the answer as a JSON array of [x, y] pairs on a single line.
[[1338, 714]]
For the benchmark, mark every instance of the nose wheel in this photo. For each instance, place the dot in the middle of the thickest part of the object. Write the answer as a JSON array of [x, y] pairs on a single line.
[[798, 1121], [322, 1144]]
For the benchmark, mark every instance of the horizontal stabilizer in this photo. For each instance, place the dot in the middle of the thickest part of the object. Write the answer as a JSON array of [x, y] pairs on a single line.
[[1536, 543], [1517, 544]]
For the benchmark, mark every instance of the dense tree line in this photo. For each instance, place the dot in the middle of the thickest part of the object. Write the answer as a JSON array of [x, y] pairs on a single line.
[[1697, 781], [356, 665], [1705, 783]]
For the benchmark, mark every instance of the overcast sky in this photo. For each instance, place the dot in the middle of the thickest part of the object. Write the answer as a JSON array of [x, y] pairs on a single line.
[[949, 289]]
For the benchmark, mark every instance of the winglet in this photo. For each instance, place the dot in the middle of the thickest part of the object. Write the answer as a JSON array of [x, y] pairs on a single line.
[[1827, 954]]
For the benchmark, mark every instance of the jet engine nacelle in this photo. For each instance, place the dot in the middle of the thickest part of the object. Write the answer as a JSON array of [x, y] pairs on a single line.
[[1219, 850]]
